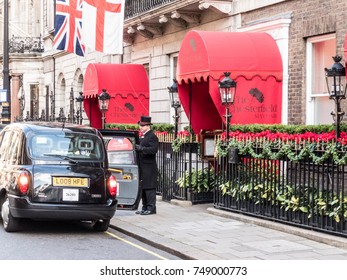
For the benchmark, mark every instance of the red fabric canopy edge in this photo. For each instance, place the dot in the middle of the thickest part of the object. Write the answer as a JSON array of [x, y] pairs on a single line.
[[123, 79], [128, 87], [206, 53]]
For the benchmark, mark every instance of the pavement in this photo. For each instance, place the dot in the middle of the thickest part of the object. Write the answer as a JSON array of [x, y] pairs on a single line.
[[202, 232]]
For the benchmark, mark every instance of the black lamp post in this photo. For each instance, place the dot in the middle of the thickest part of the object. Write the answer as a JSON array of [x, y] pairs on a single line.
[[227, 90], [104, 102], [175, 103], [6, 107], [21, 99], [79, 101], [71, 115], [52, 99], [61, 117], [336, 83]]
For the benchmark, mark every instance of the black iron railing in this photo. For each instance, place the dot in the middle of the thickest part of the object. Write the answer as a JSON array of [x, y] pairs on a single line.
[[186, 165], [26, 44], [137, 7], [296, 192], [299, 193]]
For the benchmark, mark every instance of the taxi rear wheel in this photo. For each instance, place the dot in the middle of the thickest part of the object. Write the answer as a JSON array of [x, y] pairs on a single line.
[[101, 225], [10, 223]]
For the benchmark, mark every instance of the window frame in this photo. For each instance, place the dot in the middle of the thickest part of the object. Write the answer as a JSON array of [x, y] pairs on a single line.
[[310, 96]]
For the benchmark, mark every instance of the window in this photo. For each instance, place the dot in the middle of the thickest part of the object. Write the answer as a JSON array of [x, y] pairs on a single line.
[[48, 14], [120, 150], [173, 71], [13, 150], [34, 102], [146, 66], [61, 145], [173, 66], [183, 120], [5, 142], [320, 51]]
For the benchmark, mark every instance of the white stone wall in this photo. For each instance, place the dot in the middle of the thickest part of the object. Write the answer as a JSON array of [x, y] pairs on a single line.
[[35, 18]]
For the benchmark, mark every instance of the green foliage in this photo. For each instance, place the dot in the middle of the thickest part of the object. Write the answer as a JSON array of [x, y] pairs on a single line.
[[178, 142], [120, 126], [189, 129], [261, 188], [160, 127], [163, 127], [291, 129], [318, 153], [185, 136], [197, 180]]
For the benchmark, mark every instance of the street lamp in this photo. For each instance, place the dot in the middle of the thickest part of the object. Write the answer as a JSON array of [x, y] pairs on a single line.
[[79, 101], [71, 115], [61, 117], [336, 83], [175, 103], [227, 90], [6, 106], [52, 98], [21, 99], [104, 102]]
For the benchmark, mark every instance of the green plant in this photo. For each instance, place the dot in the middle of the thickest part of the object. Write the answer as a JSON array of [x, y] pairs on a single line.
[[300, 199], [198, 181], [318, 152], [157, 127], [163, 127], [178, 142], [122, 126], [267, 144], [185, 136], [283, 128]]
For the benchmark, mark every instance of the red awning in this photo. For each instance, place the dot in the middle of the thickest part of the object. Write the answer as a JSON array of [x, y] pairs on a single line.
[[254, 62], [209, 54], [128, 86]]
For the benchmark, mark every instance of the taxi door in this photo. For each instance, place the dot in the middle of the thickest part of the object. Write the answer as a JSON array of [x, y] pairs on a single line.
[[124, 165]]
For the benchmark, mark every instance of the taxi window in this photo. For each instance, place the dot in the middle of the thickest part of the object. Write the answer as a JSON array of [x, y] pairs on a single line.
[[75, 146], [5, 143], [120, 150]]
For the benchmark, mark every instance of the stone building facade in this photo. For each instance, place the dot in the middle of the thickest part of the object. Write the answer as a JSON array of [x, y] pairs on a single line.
[[308, 34], [312, 21]]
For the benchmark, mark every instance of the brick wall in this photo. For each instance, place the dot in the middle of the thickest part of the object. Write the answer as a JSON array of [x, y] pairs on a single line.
[[309, 18]]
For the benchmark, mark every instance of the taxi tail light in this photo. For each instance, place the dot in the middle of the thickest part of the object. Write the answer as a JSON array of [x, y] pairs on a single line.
[[112, 185], [23, 182]]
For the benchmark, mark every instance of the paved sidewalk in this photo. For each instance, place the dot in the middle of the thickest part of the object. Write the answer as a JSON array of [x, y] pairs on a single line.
[[204, 233]]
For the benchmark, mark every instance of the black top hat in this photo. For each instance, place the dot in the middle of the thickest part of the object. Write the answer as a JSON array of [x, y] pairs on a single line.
[[145, 120]]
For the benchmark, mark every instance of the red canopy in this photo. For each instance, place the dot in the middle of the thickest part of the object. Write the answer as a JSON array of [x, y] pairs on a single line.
[[128, 86], [255, 64]]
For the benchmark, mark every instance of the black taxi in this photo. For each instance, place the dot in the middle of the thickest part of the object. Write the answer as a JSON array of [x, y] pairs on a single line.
[[55, 171]]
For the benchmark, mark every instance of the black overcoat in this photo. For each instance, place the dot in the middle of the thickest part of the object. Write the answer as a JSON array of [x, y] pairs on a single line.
[[148, 163]]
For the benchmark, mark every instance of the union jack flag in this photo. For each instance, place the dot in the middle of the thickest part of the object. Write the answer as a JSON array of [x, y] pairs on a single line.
[[68, 26]]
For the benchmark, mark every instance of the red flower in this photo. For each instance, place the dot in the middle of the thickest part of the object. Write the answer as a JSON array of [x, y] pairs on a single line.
[[183, 133], [161, 132]]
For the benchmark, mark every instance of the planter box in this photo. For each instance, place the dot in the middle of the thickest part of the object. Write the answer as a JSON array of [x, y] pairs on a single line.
[[203, 197]]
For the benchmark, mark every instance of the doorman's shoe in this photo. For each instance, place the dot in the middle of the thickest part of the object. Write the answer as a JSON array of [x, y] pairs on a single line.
[[139, 212], [147, 212]]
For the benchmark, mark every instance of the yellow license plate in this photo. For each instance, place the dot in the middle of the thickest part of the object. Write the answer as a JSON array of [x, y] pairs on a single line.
[[70, 182]]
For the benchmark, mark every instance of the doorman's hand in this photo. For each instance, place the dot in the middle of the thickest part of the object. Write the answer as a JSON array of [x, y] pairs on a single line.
[[138, 148]]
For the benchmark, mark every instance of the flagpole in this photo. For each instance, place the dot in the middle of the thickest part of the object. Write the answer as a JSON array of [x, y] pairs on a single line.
[[55, 9], [6, 108]]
